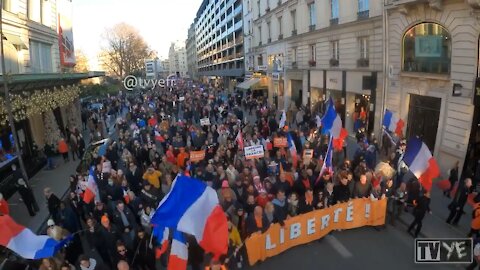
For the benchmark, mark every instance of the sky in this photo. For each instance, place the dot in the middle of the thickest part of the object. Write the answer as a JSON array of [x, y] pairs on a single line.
[[159, 22]]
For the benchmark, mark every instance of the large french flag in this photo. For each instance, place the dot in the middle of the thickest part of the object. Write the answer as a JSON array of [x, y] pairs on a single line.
[[91, 192], [332, 124], [393, 123], [25, 243], [293, 150], [329, 118], [338, 133], [192, 207], [421, 162], [178, 259]]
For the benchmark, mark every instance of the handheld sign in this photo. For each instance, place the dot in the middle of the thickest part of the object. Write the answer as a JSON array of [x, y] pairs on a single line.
[[181, 99], [255, 151], [280, 142], [196, 156], [308, 154], [205, 122]]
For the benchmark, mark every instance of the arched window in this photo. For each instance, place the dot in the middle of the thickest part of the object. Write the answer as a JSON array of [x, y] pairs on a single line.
[[427, 48]]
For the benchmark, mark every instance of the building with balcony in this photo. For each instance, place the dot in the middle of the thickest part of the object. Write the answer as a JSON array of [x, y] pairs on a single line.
[[177, 57], [433, 71], [219, 41], [313, 50], [191, 53], [39, 56]]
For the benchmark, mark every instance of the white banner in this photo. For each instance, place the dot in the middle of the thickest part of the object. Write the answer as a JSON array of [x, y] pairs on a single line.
[[255, 151], [205, 122]]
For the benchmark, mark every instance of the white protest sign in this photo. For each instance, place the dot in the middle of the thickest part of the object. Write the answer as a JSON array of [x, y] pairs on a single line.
[[205, 122], [255, 151]]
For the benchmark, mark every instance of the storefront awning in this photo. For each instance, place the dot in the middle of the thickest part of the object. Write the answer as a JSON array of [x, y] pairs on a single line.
[[16, 40], [248, 84]]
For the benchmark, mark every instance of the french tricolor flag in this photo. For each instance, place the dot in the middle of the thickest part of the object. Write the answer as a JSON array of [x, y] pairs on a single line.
[[332, 124], [192, 207], [293, 150], [91, 192], [421, 163], [393, 123], [164, 242], [239, 139], [178, 259], [25, 243], [327, 163]]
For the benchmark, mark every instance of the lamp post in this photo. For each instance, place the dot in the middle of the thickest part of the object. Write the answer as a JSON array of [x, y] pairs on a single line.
[[8, 105]]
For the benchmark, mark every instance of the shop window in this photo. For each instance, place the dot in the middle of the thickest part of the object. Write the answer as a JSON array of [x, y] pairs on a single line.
[[427, 48]]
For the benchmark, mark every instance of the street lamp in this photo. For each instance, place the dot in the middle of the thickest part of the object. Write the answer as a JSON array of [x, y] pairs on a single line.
[[8, 104]]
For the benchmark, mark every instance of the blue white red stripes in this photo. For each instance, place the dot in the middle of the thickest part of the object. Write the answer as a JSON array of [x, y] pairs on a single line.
[[393, 123], [421, 163], [191, 207], [91, 192], [329, 117], [24, 242], [178, 259], [293, 150], [332, 124]]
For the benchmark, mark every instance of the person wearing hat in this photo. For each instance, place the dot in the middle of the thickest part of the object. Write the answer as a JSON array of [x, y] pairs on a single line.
[[111, 234]]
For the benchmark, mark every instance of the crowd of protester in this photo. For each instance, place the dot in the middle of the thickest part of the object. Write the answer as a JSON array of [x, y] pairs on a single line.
[[155, 132]]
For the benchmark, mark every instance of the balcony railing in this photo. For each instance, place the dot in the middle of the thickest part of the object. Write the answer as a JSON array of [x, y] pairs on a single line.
[[269, 40], [362, 15], [334, 21], [280, 37], [334, 62], [363, 62], [312, 63], [312, 27], [294, 32]]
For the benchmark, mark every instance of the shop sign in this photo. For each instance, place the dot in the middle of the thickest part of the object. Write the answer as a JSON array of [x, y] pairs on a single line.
[[275, 76]]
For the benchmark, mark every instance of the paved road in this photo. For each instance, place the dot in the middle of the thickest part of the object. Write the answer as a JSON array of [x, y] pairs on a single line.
[[363, 248]]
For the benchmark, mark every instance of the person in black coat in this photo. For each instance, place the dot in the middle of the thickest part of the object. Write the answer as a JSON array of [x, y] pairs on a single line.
[[134, 177], [341, 192], [452, 178], [96, 240], [27, 196], [122, 254], [421, 208], [257, 222], [53, 203], [457, 204], [111, 235], [306, 202], [126, 223], [144, 252]]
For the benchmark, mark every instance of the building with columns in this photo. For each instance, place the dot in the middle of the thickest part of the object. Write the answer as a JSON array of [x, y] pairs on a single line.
[[310, 50], [433, 69]]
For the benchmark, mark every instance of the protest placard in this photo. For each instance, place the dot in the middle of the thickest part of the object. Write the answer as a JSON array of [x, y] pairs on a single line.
[[205, 122], [280, 142], [255, 151], [196, 156]]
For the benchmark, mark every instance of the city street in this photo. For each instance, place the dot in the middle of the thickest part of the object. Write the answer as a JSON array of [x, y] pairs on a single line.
[[363, 248]]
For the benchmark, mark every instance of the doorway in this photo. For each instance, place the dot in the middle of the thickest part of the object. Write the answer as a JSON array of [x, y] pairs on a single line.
[[423, 116]]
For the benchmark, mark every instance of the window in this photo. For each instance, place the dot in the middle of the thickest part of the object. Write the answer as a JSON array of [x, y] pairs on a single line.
[[280, 28], [40, 57], [260, 35], [34, 10], [294, 55], [334, 7], [7, 5], [258, 6], [363, 45], [249, 31], [268, 33], [427, 48], [313, 52], [335, 50], [260, 60], [363, 5], [293, 14], [313, 16]]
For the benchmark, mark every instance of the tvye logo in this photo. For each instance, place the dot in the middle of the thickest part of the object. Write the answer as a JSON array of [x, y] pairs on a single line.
[[443, 250]]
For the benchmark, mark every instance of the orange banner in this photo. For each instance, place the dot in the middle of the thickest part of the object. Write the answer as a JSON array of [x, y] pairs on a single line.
[[280, 142], [196, 156], [313, 226]]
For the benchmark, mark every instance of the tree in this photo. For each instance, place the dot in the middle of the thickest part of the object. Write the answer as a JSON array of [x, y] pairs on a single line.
[[81, 62], [52, 131], [125, 52]]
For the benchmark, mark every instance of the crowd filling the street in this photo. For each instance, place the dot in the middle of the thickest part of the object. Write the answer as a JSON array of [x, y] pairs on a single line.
[[161, 134]]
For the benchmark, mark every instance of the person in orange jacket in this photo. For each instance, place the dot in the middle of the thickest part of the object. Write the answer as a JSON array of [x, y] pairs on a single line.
[[4, 209], [63, 149], [475, 225]]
